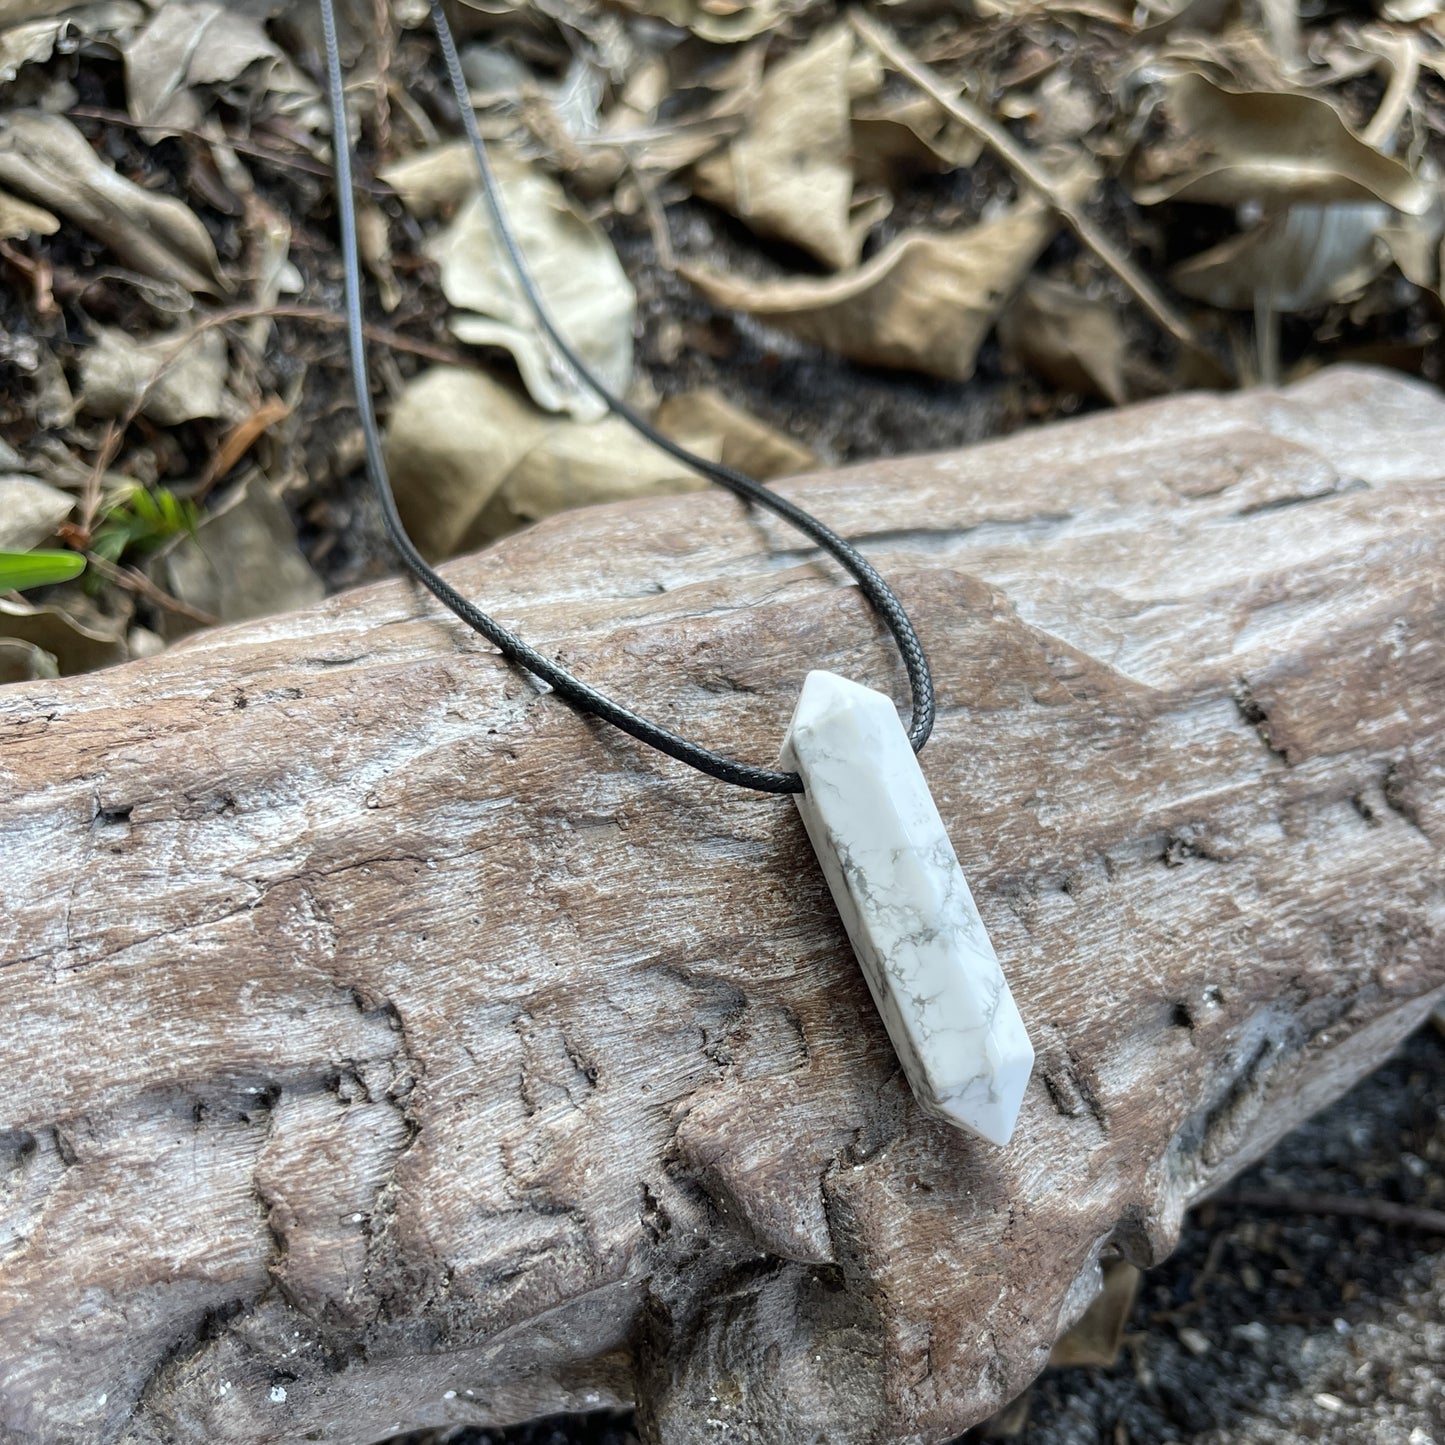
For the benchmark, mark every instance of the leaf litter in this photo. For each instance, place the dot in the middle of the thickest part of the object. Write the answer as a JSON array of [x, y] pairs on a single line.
[[794, 237]]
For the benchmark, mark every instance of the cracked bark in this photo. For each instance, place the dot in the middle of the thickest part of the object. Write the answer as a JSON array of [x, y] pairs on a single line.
[[390, 1046]]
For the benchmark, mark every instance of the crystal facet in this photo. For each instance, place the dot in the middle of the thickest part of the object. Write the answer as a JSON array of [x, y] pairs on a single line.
[[907, 907]]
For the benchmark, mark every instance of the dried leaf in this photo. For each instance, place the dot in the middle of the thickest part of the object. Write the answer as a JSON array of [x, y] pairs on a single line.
[[242, 562], [706, 421], [1309, 256], [190, 45], [1407, 12], [1269, 147], [373, 235], [14, 12], [789, 175], [55, 405], [19, 219], [501, 462], [579, 464], [46, 158], [577, 271], [73, 630], [32, 41], [925, 302], [432, 181], [723, 22], [24, 662], [909, 134], [444, 475], [1095, 1340], [29, 512], [174, 378], [1074, 342]]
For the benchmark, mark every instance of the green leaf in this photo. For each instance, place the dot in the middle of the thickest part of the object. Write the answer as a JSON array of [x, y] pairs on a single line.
[[141, 521], [38, 569]]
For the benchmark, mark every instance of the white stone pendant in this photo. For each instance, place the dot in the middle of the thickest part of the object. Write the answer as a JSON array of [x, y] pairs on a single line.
[[907, 907]]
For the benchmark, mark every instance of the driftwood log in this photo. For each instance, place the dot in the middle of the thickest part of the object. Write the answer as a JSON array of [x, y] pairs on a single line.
[[386, 1045]]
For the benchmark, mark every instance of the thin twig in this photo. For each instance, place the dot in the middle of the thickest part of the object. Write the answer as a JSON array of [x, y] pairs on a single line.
[[381, 100], [655, 212], [142, 586], [1026, 167], [1399, 93], [296, 162], [382, 335], [238, 441], [1377, 1211]]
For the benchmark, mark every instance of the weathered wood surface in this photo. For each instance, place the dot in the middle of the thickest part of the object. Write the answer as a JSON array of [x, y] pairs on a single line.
[[385, 1045]]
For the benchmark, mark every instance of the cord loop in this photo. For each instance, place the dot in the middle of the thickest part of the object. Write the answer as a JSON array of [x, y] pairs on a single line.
[[587, 699]]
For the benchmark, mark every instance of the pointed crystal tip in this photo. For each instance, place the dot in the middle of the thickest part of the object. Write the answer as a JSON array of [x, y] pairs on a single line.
[[992, 1111]]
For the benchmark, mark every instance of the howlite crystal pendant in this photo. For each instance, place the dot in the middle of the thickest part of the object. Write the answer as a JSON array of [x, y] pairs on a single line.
[[907, 907]]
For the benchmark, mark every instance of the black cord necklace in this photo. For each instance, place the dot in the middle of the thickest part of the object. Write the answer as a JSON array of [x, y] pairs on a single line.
[[850, 766], [575, 691]]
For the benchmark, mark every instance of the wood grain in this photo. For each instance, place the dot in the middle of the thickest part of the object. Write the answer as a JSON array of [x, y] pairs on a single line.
[[386, 1045]]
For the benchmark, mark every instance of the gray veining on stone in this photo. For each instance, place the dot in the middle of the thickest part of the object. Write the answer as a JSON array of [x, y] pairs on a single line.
[[907, 907]]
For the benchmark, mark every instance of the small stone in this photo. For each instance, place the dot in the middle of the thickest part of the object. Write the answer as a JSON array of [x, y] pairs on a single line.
[[1195, 1341], [278, 1394], [1332, 1403]]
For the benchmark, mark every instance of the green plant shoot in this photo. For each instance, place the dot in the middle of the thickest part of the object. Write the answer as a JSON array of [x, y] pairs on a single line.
[[38, 569], [141, 521]]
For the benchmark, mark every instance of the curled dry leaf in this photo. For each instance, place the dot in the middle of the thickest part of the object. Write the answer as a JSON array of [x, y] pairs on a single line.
[[29, 512], [24, 662], [46, 159], [202, 44], [73, 630], [924, 303], [374, 242], [577, 271], [174, 378], [432, 181], [789, 175], [19, 219], [1271, 147], [1307, 257], [1075, 342], [54, 403], [242, 562], [663, 148], [32, 41], [499, 461], [708, 423], [723, 22], [908, 133], [1417, 246]]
